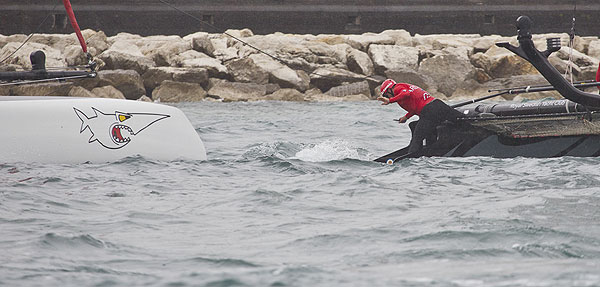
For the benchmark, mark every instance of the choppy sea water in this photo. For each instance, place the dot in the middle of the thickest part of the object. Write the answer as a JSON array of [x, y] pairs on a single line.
[[290, 197]]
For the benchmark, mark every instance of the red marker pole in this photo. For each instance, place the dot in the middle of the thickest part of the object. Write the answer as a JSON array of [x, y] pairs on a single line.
[[69, 10]]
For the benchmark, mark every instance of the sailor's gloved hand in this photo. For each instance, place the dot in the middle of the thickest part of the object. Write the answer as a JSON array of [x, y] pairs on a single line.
[[385, 101], [402, 119]]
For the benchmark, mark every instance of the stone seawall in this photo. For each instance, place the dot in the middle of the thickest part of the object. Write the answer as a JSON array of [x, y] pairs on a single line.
[[326, 67]]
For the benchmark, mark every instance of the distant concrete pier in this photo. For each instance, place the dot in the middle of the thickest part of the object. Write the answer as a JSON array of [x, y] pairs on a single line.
[[151, 17]]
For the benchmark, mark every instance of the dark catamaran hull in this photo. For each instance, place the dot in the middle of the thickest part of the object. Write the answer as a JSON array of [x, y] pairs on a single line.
[[531, 129], [568, 127], [462, 142]]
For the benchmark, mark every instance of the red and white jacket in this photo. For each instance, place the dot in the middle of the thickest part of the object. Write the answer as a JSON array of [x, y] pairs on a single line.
[[411, 98]]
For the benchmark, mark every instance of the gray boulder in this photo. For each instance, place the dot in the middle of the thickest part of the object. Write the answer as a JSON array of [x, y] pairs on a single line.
[[9, 68], [594, 49], [331, 39], [5, 91], [587, 74], [358, 88], [580, 59], [125, 55], [52, 40], [393, 57], [59, 42], [322, 53], [145, 99], [74, 55], [326, 78], [201, 42], [360, 63], [484, 43], [510, 65], [222, 51], [17, 38], [124, 36], [481, 76], [412, 77], [108, 92], [300, 52], [54, 58], [162, 54], [239, 34], [364, 41], [42, 89], [505, 64], [582, 44], [447, 72], [129, 82], [461, 52], [149, 45], [246, 71], [316, 97], [233, 92], [563, 65], [482, 61], [80, 92], [98, 41], [195, 59], [290, 95], [453, 42], [155, 76], [170, 91], [401, 37], [440, 41], [281, 74]]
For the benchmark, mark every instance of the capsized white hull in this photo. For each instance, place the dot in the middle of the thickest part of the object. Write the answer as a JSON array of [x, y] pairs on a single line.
[[77, 130]]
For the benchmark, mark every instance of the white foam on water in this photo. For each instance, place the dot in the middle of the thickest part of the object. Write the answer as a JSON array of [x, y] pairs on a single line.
[[327, 151]]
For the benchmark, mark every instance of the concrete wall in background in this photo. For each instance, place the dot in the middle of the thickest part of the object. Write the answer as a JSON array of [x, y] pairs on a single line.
[[151, 17]]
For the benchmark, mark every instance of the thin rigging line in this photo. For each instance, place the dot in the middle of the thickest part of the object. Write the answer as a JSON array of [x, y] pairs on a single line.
[[246, 43], [30, 35]]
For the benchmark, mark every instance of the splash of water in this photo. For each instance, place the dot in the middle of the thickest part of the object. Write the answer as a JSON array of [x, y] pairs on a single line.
[[328, 150]]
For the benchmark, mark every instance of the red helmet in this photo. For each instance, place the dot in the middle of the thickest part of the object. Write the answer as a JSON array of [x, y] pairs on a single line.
[[387, 84]]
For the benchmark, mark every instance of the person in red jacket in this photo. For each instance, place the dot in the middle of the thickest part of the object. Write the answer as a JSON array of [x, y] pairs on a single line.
[[417, 101], [598, 75]]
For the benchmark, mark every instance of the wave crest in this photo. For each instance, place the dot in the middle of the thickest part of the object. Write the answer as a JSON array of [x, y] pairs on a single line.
[[329, 150]]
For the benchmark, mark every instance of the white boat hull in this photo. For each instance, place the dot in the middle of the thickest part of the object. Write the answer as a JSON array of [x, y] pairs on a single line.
[[77, 130]]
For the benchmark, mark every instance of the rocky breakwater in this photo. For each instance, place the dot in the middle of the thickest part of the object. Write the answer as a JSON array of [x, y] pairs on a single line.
[[204, 66]]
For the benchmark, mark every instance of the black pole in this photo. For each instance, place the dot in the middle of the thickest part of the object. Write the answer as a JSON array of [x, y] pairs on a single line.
[[551, 88], [43, 74], [577, 85], [524, 90], [479, 99]]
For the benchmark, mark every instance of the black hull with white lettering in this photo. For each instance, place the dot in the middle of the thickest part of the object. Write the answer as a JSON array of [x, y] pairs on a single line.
[[568, 127]]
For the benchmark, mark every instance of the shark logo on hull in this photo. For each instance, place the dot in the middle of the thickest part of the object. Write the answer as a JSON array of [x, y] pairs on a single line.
[[115, 130]]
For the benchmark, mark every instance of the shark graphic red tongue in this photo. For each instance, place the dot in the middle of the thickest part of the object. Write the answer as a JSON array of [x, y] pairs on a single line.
[[117, 133]]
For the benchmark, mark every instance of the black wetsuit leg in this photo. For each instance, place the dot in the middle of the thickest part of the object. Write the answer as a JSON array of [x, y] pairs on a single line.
[[412, 126], [443, 111], [424, 128], [431, 116], [428, 140]]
